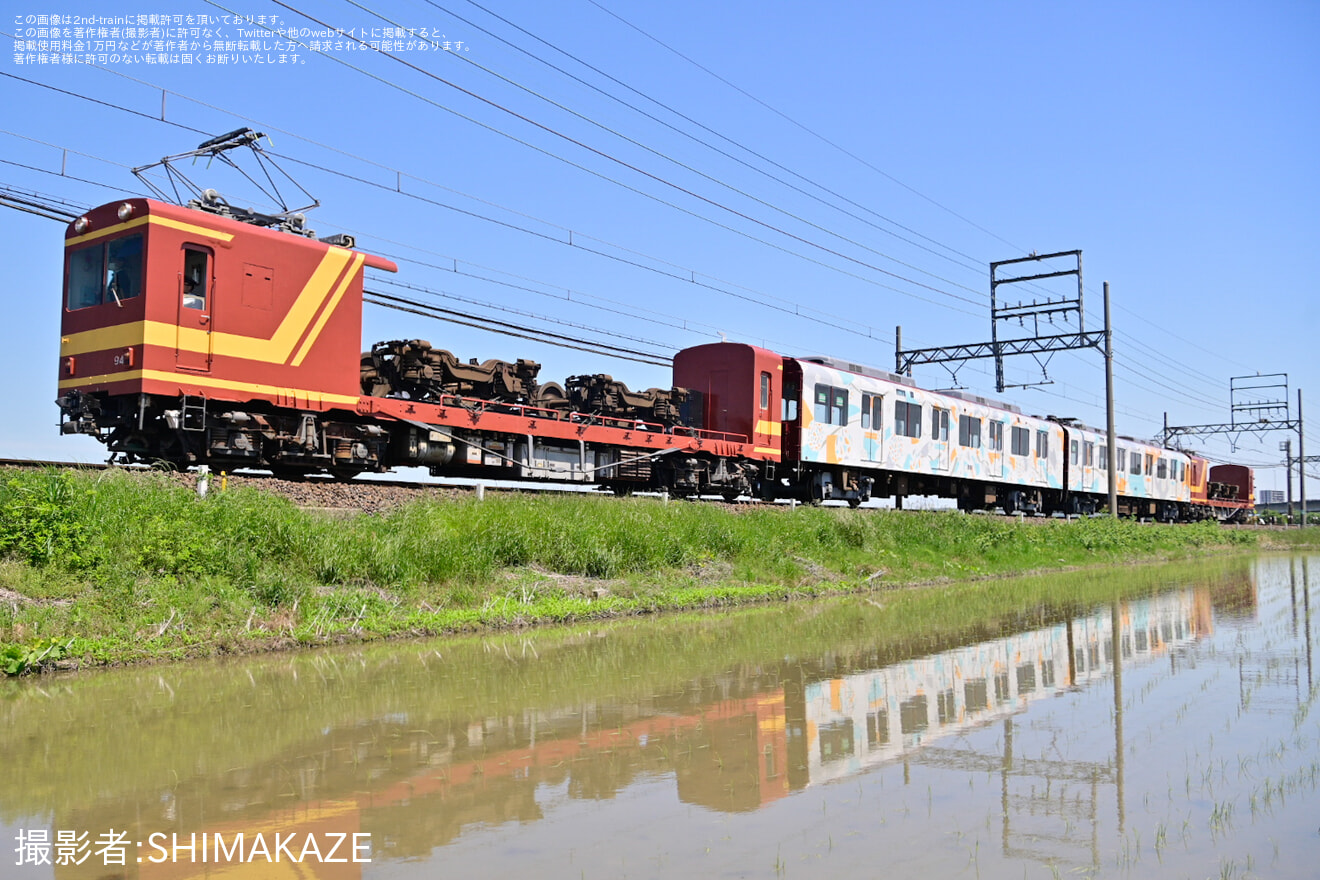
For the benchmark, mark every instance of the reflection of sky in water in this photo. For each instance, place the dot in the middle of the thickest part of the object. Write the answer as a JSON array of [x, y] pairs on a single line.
[[992, 757]]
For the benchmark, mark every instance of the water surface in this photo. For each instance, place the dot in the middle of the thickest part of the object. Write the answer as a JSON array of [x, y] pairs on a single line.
[[1167, 733]]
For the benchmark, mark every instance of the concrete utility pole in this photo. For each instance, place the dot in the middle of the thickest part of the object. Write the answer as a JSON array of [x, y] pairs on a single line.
[[1301, 457], [1286, 446]]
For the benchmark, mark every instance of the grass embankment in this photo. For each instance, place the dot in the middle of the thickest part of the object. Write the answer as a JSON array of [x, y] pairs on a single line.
[[110, 567]]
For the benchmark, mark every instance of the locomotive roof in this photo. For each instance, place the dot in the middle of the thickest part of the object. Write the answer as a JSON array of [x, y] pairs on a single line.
[[118, 216]]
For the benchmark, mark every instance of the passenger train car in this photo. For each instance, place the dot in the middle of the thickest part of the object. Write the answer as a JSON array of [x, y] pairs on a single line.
[[192, 337]]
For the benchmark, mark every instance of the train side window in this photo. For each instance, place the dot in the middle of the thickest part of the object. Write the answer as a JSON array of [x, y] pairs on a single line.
[[866, 411], [839, 407], [1022, 441], [765, 391], [1136, 462], [196, 279], [1076, 454], [831, 405], [996, 436], [1089, 450], [789, 403], [907, 418], [1042, 444], [877, 420], [969, 432], [1122, 460], [1149, 461], [1163, 469], [821, 412]]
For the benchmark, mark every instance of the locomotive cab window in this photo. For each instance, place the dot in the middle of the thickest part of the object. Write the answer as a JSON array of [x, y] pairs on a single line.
[[104, 272], [765, 391], [196, 279]]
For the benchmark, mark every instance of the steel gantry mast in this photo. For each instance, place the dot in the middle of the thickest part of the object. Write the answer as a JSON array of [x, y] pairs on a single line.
[[1044, 308]]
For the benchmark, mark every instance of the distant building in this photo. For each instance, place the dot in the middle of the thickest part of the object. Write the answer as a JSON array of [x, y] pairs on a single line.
[[1270, 496]]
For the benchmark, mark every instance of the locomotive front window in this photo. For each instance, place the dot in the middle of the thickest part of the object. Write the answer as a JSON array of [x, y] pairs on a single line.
[[104, 272], [85, 277]]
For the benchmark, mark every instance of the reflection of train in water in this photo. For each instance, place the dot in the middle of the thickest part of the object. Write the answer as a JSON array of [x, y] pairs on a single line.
[[878, 715], [732, 743]]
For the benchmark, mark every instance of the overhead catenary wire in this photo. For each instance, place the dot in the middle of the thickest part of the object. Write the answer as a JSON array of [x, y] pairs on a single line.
[[546, 129]]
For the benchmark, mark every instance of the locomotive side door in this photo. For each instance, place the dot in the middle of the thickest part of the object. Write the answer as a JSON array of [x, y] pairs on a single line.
[[196, 304]]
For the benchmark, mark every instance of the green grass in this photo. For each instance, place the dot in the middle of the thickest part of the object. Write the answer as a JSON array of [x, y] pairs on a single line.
[[133, 566]]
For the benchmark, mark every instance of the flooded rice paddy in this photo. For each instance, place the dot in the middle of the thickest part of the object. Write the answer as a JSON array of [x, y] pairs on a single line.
[[1169, 733]]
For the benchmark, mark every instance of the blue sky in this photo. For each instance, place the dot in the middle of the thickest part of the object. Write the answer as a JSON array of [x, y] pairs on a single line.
[[835, 171]]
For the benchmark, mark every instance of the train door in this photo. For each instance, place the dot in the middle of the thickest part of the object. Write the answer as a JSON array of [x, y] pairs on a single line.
[[790, 410], [939, 433], [873, 427], [767, 430], [196, 306]]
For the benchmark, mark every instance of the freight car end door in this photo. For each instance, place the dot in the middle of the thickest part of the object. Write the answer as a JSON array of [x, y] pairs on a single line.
[[196, 303]]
